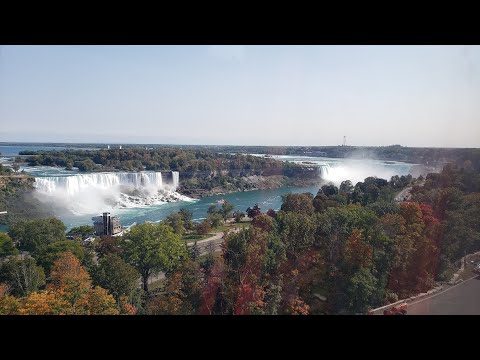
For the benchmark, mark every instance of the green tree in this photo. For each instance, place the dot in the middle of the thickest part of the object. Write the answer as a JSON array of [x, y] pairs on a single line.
[[215, 220], [47, 256], [361, 290], [175, 221], [151, 248], [187, 217], [81, 231], [6, 246], [86, 165], [227, 209], [33, 235], [299, 203], [346, 187], [118, 277], [22, 275], [297, 232]]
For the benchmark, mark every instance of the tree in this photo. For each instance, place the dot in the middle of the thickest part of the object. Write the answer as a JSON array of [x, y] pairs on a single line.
[[194, 252], [151, 248], [6, 246], [215, 220], [298, 203], [212, 209], [99, 302], [109, 245], [346, 187], [330, 190], [226, 210], [203, 228], [252, 212], [45, 303], [361, 291], [81, 231], [263, 222], [271, 213], [187, 217], [8, 304], [175, 221], [33, 235], [181, 295], [22, 275], [71, 280], [238, 216], [15, 167], [86, 165], [381, 208], [69, 165], [296, 230], [116, 276], [46, 256]]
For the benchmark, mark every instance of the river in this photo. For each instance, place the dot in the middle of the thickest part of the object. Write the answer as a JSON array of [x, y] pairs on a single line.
[[334, 170]]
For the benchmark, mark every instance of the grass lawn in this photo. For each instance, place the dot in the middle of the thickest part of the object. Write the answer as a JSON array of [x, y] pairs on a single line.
[[232, 226], [194, 237]]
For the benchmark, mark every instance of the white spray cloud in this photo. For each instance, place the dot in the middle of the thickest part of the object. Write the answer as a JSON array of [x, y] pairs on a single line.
[[98, 192]]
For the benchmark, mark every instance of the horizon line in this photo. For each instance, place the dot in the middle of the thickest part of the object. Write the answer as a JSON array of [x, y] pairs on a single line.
[[4, 143]]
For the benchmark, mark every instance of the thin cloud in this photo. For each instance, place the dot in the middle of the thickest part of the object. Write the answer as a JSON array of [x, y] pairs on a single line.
[[228, 52]]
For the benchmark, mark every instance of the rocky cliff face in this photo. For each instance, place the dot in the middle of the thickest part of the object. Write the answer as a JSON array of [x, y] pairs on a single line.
[[248, 183], [16, 181]]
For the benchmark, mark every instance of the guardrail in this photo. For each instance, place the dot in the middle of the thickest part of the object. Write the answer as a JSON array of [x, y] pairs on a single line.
[[454, 280]]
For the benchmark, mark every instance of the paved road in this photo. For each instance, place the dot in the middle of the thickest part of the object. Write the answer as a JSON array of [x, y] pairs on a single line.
[[461, 299], [405, 193]]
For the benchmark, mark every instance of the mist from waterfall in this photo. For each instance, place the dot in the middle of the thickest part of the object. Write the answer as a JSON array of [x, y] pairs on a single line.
[[358, 170], [98, 192]]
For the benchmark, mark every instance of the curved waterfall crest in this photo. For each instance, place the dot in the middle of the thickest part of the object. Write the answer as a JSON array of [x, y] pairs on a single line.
[[71, 185]]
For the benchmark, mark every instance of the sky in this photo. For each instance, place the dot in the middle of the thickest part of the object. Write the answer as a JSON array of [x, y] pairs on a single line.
[[242, 95]]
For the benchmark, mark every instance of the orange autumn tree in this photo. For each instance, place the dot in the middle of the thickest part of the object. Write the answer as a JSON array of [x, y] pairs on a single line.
[[70, 280], [69, 293], [358, 254], [72, 283]]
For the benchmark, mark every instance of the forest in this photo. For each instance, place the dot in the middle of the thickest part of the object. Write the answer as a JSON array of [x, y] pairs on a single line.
[[343, 250], [435, 157]]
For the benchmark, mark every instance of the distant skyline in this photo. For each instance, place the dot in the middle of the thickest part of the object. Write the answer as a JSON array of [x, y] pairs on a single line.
[[425, 96]]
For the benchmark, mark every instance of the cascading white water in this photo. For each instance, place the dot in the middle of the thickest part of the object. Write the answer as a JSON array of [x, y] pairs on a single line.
[[72, 185], [85, 193], [324, 170], [176, 179]]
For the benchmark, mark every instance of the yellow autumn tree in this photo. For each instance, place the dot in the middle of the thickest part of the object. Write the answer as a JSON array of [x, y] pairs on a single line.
[[99, 302], [8, 304], [45, 303]]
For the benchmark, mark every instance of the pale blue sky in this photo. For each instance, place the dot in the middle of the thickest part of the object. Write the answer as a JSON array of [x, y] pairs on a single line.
[[252, 95]]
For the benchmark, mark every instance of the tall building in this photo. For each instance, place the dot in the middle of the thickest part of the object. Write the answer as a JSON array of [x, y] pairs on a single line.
[[106, 224]]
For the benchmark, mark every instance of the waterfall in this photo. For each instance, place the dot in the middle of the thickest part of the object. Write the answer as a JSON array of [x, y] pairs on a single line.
[[98, 192], [175, 178], [71, 185], [324, 170]]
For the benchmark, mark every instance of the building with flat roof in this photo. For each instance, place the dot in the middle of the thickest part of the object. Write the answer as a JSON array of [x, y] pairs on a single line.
[[106, 224]]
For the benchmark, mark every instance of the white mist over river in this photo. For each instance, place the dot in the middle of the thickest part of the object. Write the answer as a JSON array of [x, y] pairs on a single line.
[[336, 170]]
